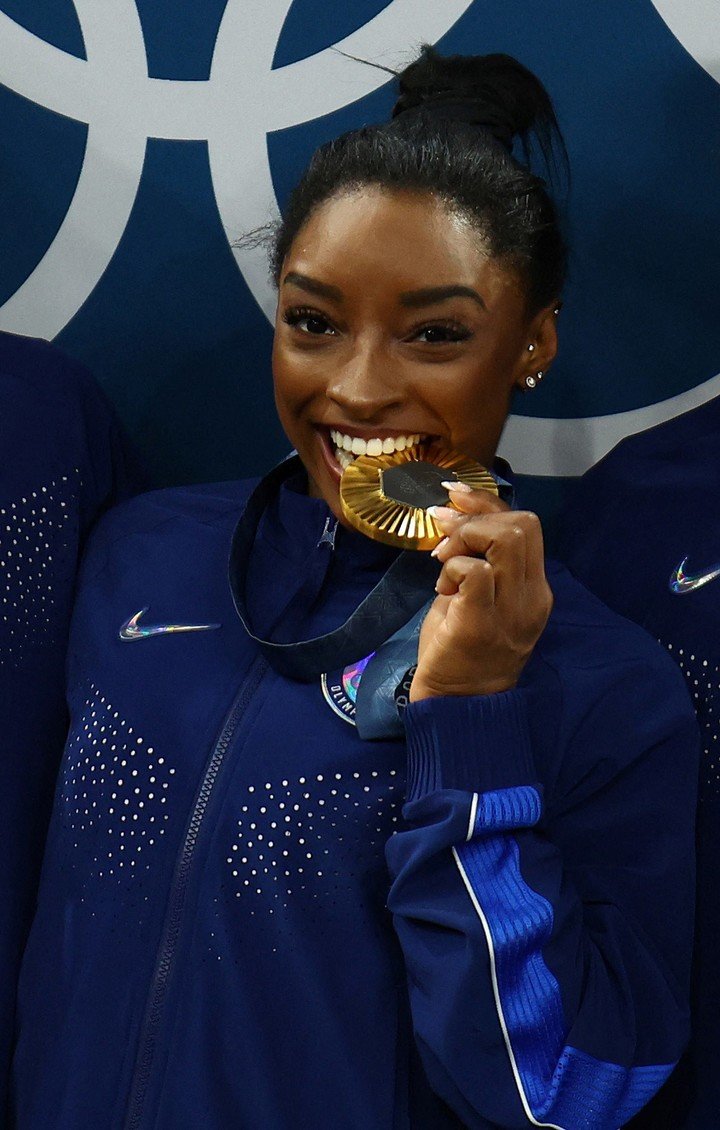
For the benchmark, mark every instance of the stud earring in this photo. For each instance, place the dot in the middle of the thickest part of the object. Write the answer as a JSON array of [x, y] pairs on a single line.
[[531, 348], [533, 380]]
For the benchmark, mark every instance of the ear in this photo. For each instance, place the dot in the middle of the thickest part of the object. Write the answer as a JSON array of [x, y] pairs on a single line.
[[541, 347]]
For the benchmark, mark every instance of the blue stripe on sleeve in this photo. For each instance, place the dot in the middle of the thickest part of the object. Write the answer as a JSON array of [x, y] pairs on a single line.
[[572, 1089], [507, 808]]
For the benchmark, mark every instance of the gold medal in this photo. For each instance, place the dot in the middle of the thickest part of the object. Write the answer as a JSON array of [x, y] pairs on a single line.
[[386, 497]]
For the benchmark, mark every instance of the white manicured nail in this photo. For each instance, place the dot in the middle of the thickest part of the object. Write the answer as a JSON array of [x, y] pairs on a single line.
[[439, 546], [443, 513], [462, 488]]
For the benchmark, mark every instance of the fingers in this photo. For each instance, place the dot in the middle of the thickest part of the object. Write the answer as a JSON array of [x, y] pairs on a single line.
[[476, 530], [511, 540], [535, 549], [493, 597], [504, 539], [475, 501], [473, 577]]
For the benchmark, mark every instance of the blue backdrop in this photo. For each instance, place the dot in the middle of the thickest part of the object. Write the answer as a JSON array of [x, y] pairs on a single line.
[[142, 137]]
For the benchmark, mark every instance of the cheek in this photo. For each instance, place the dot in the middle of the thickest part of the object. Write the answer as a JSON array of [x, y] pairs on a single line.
[[286, 384], [295, 376], [463, 394], [473, 404], [294, 389]]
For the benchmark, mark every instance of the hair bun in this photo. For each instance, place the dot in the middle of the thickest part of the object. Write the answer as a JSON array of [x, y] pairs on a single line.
[[494, 92]]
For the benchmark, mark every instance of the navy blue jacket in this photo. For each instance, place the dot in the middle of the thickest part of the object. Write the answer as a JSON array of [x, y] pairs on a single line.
[[644, 510], [59, 468], [251, 918]]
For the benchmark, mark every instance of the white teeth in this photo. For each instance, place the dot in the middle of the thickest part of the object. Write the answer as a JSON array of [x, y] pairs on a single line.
[[346, 447], [343, 458]]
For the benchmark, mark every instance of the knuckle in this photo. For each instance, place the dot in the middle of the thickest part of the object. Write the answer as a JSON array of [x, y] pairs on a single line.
[[469, 532], [509, 534], [480, 566]]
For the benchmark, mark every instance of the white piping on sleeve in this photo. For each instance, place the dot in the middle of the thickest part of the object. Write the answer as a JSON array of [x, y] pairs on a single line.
[[473, 817], [496, 991]]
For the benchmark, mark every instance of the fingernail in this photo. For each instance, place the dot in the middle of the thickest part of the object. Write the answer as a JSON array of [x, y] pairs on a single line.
[[462, 488], [439, 546], [443, 513]]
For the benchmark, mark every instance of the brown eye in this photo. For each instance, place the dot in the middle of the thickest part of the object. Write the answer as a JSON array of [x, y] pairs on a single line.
[[442, 333], [309, 322]]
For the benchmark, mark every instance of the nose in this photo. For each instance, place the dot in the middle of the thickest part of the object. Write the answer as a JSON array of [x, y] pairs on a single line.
[[364, 387]]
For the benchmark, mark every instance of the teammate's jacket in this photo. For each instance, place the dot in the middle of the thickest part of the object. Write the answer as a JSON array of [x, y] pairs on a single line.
[[652, 551], [218, 941], [60, 466]]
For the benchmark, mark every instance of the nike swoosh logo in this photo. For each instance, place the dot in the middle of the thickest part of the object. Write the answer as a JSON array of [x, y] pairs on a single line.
[[131, 629], [682, 582]]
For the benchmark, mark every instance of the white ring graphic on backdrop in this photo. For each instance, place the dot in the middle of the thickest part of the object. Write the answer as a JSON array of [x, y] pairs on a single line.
[[695, 24], [540, 445], [112, 93]]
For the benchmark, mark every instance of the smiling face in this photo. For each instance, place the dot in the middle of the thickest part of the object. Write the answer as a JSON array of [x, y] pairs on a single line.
[[394, 324]]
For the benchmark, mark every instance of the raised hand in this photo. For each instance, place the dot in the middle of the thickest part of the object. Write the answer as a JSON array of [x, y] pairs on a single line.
[[493, 599]]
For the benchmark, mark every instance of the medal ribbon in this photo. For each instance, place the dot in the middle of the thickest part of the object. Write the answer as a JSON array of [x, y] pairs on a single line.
[[405, 588]]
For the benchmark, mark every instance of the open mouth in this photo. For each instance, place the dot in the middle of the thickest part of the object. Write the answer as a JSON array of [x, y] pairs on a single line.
[[345, 448]]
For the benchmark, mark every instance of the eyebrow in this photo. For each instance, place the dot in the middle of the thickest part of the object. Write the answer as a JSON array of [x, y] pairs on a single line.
[[428, 295], [411, 299], [314, 286]]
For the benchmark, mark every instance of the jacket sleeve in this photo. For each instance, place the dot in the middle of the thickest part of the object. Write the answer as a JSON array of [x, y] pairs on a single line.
[[33, 712], [547, 924], [111, 470]]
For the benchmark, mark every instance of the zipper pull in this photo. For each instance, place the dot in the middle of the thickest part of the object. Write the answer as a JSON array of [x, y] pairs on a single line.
[[328, 535]]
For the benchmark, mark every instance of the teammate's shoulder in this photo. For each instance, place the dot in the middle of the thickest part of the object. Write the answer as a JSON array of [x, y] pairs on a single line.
[[209, 505], [650, 502], [51, 405], [584, 634], [605, 688], [668, 453], [43, 369]]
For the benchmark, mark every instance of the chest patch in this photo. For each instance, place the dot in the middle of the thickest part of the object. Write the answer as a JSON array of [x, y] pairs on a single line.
[[340, 689]]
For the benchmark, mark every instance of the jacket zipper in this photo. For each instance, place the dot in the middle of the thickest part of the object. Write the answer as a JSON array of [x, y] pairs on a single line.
[[176, 900]]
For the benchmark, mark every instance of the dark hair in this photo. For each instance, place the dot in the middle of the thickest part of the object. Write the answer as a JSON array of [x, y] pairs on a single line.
[[453, 132]]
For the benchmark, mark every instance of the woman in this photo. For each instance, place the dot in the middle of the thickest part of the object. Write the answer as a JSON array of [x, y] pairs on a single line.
[[217, 942], [668, 478], [62, 466]]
